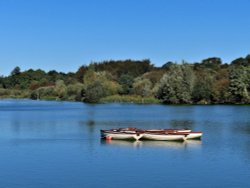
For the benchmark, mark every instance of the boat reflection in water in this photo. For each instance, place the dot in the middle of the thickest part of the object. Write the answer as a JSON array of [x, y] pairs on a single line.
[[157, 144]]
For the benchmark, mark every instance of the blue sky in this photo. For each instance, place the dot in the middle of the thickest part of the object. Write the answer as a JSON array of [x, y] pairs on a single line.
[[65, 34]]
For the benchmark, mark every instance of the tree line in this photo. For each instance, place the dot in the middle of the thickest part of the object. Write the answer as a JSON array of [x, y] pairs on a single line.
[[207, 82]]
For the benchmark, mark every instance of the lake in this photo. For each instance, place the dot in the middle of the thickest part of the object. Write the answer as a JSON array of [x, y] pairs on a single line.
[[46, 144]]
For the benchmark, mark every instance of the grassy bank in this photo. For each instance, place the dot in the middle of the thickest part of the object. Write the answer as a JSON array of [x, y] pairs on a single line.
[[129, 99], [15, 94]]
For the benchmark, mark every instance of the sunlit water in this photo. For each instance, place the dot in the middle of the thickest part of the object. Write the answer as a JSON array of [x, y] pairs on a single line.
[[57, 145]]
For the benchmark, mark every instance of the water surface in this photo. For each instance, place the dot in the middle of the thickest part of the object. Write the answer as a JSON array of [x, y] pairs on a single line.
[[56, 144]]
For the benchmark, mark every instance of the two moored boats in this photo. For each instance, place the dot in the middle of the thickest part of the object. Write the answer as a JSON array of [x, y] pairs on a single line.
[[150, 134]]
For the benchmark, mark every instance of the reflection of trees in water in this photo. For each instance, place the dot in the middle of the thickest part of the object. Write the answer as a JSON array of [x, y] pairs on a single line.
[[93, 120], [242, 127], [182, 124], [247, 150], [91, 123], [90, 118], [241, 131]]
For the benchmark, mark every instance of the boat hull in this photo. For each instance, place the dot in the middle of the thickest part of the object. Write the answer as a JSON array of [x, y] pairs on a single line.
[[194, 135], [163, 137], [168, 130], [189, 136], [151, 134], [120, 136]]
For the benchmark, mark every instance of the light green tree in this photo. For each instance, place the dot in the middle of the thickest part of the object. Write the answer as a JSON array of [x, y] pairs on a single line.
[[142, 87], [240, 84], [100, 82], [177, 84], [61, 89]]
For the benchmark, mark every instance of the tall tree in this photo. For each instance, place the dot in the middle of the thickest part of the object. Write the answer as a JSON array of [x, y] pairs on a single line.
[[126, 81], [203, 87], [15, 71], [176, 85], [142, 87], [60, 89], [240, 84]]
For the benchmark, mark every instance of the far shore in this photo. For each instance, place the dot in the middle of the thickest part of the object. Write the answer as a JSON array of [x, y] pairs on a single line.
[[121, 100]]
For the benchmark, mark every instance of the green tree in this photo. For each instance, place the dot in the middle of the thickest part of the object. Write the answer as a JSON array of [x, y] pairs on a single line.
[[99, 82], [126, 81], [89, 77], [220, 87], [240, 84], [15, 71], [61, 89], [202, 91], [43, 93], [75, 91], [81, 72], [240, 61], [220, 93], [177, 84], [142, 87], [94, 92]]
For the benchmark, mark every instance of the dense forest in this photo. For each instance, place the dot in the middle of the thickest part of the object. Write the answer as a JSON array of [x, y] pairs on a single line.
[[207, 82]]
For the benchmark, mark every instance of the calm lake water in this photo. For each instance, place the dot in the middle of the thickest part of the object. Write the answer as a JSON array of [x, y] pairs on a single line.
[[57, 145]]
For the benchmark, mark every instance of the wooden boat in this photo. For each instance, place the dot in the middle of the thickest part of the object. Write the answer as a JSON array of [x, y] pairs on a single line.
[[119, 135], [167, 130], [186, 132], [150, 134], [194, 135], [135, 130], [163, 136], [190, 135]]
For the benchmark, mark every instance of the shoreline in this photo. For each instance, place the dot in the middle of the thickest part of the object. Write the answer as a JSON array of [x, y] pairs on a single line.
[[125, 102]]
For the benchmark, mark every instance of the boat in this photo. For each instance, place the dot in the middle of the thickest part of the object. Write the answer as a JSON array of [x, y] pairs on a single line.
[[194, 135], [150, 134], [163, 136], [119, 135], [134, 130], [168, 130], [186, 132]]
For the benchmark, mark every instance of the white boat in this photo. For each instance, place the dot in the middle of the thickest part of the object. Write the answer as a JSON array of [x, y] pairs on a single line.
[[168, 130], [194, 135], [163, 136], [189, 135], [117, 135], [150, 134]]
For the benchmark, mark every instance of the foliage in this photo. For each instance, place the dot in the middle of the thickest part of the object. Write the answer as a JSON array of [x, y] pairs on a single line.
[[15, 71], [240, 84], [207, 82], [43, 93], [126, 81], [80, 73], [75, 92], [60, 89], [129, 99], [124, 67], [100, 82], [220, 87], [203, 88], [142, 87], [94, 92], [176, 85]]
